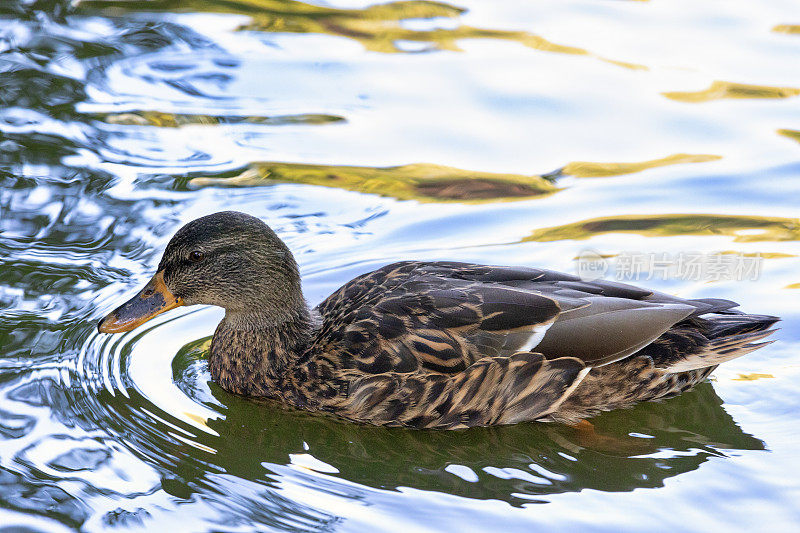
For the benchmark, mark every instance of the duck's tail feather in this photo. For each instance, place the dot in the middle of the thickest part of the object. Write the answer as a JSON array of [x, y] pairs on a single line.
[[737, 323], [728, 335]]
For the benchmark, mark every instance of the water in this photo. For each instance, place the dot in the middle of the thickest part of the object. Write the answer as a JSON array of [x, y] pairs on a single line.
[[508, 132]]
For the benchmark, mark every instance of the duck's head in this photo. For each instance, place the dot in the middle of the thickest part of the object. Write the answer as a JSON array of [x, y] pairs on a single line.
[[228, 259]]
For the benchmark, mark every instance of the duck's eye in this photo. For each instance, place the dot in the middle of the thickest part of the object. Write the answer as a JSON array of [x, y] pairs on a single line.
[[196, 256]]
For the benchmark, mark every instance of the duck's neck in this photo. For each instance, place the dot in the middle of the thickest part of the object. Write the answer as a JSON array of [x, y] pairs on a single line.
[[251, 353]]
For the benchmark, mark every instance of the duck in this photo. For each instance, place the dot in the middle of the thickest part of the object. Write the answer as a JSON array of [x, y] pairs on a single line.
[[435, 344]]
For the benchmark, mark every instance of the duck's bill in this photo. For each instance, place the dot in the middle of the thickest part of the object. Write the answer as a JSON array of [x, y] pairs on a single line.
[[154, 299]]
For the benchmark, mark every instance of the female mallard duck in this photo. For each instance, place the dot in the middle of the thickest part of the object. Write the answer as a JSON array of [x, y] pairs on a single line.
[[435, 344]]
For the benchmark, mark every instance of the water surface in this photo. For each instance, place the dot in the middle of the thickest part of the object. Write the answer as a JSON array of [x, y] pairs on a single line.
[[510, 132]]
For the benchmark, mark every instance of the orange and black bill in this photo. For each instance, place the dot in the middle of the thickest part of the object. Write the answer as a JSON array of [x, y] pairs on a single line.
[[152, 300]]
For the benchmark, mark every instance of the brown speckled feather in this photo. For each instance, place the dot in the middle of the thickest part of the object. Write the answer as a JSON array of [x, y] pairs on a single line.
[[436, 345], [440, 317], [494, 390]]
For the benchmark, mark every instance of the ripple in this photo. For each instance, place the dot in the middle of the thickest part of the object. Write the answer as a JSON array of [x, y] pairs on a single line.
[[35, 497], [384, 28], [163, 412]]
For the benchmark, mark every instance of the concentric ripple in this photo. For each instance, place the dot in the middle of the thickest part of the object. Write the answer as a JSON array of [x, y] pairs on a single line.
[[151, 389]]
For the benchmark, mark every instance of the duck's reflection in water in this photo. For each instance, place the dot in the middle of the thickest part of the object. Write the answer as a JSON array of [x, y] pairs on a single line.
[[626, 449]]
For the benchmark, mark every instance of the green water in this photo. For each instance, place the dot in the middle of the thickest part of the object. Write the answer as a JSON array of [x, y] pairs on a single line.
[[511, 132]]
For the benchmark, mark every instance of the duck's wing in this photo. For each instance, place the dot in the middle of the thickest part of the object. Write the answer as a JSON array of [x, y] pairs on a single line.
[[494, 390], [444, 316], [410, 316]]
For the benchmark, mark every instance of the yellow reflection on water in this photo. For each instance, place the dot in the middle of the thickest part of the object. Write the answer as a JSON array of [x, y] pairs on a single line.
[[173, 120], [377, 27], [787, 28], [792, 134], [725, 89], [428, 182], [584, 169], [421, 181], [764, 255], [383, 36], [200, 420], [752, 377], [741, 228]]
